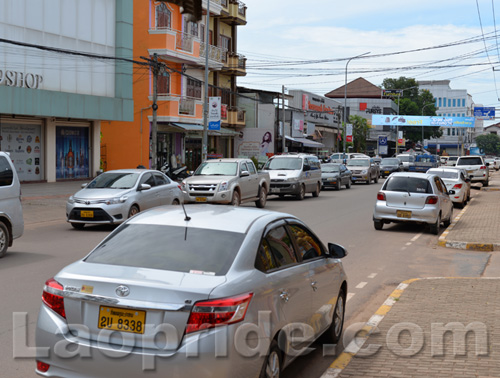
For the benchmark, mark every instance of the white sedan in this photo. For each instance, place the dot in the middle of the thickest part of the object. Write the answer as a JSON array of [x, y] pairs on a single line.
[[455, 180]]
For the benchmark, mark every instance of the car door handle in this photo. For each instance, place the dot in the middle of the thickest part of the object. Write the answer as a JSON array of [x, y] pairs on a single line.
[[284, 296], [313, 285]]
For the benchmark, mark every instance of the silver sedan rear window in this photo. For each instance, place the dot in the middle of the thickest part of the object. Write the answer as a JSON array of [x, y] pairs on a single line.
[[408, 184]]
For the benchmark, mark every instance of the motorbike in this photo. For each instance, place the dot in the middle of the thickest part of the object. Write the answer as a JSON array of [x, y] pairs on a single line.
[[175, 174]]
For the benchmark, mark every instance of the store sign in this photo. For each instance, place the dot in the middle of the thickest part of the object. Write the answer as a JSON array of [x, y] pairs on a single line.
[[374, 110], [214, 113], [20, 79], [484, 113], [317, 109], [386, 120], [393, 92]]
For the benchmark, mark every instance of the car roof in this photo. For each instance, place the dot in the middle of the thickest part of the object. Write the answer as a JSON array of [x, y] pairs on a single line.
[[207, 216], [132, 170], [227, 160], [451, 169]]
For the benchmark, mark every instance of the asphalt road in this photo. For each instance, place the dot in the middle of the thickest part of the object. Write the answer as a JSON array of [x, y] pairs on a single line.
[[377, 262]]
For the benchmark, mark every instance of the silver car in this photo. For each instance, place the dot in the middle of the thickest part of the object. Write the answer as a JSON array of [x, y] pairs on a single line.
[[455, 180], [414, 197], [200, 291], [114, 196]]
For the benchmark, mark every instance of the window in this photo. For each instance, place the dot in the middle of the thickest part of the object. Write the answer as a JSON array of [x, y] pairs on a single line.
[[265, 260], [251, 168], [6, 174], [148, 179], [463, 102], [225, 43], [444, 101], [160, 179], [243, 167], [440, 101], [193, 88], [453, 131], [281, 246], [163, 83], [454, 102], [163, 17], [448, 131], [439, 185], [449, 102], [308, 246]]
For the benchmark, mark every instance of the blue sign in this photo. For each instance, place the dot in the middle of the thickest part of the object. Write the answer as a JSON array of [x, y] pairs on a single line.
[[382, 145], [382, 141], [215, 125], [484, 113], [388, 120]]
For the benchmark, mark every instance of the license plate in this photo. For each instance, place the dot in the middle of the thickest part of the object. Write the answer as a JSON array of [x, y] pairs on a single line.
[[403, 214], [275, 190], [87, 213], [201, 199], [121, 319], [387, 172]]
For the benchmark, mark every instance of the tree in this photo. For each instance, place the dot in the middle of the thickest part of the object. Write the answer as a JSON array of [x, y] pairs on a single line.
[[489, 143], [359, 132], [414, 102]]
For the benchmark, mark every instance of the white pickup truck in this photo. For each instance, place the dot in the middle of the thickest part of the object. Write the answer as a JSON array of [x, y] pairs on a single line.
[[476, 168], [229, 181]]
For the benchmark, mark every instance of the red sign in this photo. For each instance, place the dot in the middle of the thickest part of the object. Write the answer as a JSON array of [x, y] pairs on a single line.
[[348, 138], [400, 141]]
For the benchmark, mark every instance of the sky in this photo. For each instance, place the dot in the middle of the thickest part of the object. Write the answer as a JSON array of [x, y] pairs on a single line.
[[427, 40]]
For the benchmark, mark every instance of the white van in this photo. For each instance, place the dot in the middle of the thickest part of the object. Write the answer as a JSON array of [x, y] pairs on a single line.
[[340, 157], [11, 210], [294, 174]]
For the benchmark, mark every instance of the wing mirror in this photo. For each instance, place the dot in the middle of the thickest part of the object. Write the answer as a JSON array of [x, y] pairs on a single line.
[[143, 187], [84, 185], [336, 251], [244, 174], [451, 191]]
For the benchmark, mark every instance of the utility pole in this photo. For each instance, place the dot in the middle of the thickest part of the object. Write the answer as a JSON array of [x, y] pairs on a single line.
[[204, 147], [154, 127], [283, 117]]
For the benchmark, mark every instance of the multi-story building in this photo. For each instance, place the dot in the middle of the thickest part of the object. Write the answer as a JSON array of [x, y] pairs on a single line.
[[60, 80], [179, 44], [451, 103]]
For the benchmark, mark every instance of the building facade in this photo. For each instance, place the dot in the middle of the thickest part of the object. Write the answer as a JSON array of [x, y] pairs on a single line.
[[59, 80], [179, 44]]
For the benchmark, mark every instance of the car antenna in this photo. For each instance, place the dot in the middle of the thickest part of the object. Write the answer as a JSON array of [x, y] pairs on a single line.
[[188, 218]]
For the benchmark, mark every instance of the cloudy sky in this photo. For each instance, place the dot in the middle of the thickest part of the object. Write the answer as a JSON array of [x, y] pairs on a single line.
[[426, 40]]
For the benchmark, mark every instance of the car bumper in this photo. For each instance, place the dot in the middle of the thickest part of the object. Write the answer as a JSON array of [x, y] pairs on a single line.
[[197, 356], [328, 183], [219, 197], [96, 213], [361, 177], [284, 188], [428, 214]]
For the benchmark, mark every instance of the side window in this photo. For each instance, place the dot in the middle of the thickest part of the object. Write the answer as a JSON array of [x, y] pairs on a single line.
[[438, 184], [443, 186], [265, 260], [281, 246], [6, 174], [160, 179], [243, 167], [251, 168], [308, 246], [148, 178]]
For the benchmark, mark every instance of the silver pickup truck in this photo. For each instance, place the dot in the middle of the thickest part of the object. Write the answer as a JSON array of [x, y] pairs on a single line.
[[230, 181]]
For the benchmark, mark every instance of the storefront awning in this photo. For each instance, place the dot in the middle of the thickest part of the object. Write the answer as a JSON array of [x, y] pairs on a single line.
[[306, 142], [189, 126], [223, 132]]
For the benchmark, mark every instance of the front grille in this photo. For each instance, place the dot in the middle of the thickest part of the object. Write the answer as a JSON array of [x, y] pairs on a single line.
[[99, 215], [90, 202], [202, 187], [277, 180], [280, 186]]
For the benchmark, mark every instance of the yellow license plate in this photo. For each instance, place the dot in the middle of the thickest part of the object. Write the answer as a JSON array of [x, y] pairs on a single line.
[[201, 199], [387, 172], [87, 214], [121, 319], [403, 214]]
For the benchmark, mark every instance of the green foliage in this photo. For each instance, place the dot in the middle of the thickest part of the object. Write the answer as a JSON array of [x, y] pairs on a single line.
[[359, 132], [489, 143], [414, 102]]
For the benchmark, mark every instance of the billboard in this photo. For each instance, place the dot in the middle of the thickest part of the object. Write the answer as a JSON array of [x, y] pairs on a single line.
[[401, 120], [484, 113], [72, 152], [255, 142]]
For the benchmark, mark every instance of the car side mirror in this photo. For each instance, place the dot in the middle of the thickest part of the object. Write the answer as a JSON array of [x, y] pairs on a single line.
[[143, 187], [84, 185], [336, 251], [467, 180], [244, 174], [451, 191]]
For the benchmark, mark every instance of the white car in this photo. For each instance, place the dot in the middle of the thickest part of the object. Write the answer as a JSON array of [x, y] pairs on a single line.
[[456, 180]]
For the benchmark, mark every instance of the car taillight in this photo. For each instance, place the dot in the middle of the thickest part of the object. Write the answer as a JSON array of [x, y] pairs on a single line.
[[483, 167], [51, 298], [210, 314], [431, 200], [457, 186], [381, 196], [42, 367]]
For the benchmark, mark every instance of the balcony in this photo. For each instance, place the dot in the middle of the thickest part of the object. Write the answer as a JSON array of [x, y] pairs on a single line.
[[176, 46], [215, 6], [216, 55], [235, 64], [235, 13], [236, 117], [175, 108]]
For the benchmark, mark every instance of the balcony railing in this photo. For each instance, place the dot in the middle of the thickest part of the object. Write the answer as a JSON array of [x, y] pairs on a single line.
[[214, 52], [184, 41], [242, 8], [187, 106]]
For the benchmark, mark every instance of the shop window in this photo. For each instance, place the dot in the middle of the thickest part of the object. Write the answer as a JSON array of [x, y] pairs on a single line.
[[163, 17], [193, 88]]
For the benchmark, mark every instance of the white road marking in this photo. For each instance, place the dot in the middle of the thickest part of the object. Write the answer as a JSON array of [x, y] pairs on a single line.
[[373, 275], [349, 296], [361, 285], [416, 237], [409, 243], [403, 248]]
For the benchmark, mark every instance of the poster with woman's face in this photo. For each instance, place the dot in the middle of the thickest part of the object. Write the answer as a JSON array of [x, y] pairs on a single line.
[[255, 142]]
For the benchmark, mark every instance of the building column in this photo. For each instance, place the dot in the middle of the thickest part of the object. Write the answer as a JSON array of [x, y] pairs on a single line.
[[95, 148], [50, 149]]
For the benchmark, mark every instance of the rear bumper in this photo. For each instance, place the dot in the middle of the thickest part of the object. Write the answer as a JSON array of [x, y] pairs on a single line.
[[428, 214]]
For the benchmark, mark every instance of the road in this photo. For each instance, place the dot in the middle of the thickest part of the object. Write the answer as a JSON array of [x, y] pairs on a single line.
[[377, 262]]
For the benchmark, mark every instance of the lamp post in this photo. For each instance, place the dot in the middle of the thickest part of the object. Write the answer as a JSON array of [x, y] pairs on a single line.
[[423, 107], [345, 96]]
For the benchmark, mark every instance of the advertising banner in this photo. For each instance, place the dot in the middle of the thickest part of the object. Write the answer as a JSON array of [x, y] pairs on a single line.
[[484, 113], [255, 142], [72, 152], [386, 120], [214, 111]]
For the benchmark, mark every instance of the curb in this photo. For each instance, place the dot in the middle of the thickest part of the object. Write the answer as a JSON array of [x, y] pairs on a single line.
[[355, 345]]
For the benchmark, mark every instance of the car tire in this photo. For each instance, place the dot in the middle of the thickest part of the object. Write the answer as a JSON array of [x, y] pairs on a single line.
[[261, 202], [272, 364], [376, 179], [78, 226], [176, 202], [485, 184], [318, 189], [302, 193], [4, 239], [435, 226], [447, 222], [334, 333], [378, 224], [348, 185], [134, 209], [236, 200], [338, 185]]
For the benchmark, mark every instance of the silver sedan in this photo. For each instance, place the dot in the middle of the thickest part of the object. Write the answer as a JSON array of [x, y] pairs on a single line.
[[114, 196], [414, 197], [200, 291]]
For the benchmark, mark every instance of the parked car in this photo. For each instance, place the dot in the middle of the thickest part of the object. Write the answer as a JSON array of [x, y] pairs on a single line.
[[493, 163], [342, 158], [363, 169], [390, 165], [334, 175], [414, 197], [294, 174], [477, 169], [114, 196], [455, 180], [227, 181], [11, 209], [443, 160], [424, 162], [451, 161], [407, 159], [165, 285]]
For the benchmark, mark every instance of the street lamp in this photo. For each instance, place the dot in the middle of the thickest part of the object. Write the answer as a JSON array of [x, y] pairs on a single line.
[[423, 107], [345, 95]]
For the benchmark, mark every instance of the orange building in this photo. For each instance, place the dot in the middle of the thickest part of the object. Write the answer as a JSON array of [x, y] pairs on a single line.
[[160, 28]]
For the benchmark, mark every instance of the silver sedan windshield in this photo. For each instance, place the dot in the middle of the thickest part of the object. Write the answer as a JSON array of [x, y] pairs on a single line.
[[114, 180]]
